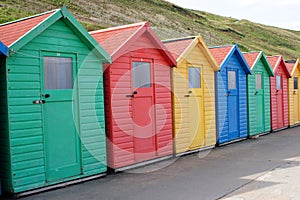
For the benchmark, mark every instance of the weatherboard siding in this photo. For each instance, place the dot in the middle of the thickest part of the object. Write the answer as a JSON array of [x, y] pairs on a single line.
[[182, 132], [222, 110], [274, 103], [26, 119], [5, 167], [292, 118], [119, 111], [252, 126]]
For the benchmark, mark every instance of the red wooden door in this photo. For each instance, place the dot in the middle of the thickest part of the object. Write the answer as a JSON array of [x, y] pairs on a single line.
[[143, 112], [279, 98]]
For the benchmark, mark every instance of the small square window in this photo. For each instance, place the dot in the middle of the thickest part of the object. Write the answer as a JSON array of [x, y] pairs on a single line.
[[141, 74], [258, 81], [278, 82], [194, 75], [295, 83], [58, 73], [231, 80]]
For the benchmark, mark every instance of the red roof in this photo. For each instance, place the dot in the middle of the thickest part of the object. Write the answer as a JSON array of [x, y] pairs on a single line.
[[220, 53], [251, 58], [112, 39], [273, 60], [11, 32], [290, 66], [178, 46]]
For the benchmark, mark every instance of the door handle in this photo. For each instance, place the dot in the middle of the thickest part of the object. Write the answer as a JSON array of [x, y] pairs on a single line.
[[186, 95], [39, 101], [131, 95], [256, 93]]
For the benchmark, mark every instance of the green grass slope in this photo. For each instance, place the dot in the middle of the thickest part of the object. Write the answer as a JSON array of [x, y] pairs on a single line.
[[168, 21]]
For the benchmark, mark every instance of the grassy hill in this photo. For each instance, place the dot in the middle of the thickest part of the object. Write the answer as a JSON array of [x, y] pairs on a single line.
[[168, 21]]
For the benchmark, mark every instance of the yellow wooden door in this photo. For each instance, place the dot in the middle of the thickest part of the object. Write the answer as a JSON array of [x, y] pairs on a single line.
[[195, 106], [296, 99]]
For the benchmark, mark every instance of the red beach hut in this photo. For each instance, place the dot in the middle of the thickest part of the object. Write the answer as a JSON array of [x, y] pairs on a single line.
[[279, 93], [137, 96]]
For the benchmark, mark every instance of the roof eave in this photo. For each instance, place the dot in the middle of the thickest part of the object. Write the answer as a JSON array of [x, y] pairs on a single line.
[[161, 46], [186, 51], [39, 28], [210, 57], [85, 36], [297, 65], [264, 59]]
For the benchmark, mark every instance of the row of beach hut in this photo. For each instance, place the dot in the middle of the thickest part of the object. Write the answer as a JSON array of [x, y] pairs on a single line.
[[75, 103]]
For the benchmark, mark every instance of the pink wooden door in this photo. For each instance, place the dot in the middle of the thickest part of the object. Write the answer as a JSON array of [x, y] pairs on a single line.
[[143, 112], [279, 97]]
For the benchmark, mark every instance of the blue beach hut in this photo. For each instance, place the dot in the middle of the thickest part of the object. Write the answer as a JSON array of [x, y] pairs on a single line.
[[231, 94]]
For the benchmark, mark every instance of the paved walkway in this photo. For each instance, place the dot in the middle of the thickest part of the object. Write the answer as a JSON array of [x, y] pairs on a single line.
[[265, 168]]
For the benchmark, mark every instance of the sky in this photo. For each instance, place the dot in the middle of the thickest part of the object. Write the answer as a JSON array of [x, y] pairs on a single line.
[[280, 13]]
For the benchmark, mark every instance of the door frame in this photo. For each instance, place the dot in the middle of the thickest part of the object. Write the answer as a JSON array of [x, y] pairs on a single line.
[[237, 99], [199, 92], [74, 56], [282, 97], [263, 97], [132, 89], [296, 92]]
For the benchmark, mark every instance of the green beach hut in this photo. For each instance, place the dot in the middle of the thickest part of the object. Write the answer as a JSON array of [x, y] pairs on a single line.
[[258, 86], [52, 113]]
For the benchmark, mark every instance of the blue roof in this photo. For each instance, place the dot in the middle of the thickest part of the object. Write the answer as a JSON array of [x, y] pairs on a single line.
[[3, 49]]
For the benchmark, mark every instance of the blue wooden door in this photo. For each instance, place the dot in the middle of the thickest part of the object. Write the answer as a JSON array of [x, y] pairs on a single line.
[[233, 104]]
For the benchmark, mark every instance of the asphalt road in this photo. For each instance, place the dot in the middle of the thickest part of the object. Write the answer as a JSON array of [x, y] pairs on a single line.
[[250, 169]]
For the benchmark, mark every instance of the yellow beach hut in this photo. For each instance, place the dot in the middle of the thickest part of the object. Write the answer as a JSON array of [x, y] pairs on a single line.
[[294, 95], [193, 96]]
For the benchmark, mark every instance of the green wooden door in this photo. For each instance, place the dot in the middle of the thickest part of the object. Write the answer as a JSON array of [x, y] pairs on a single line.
[[62, 144], [259, 95]]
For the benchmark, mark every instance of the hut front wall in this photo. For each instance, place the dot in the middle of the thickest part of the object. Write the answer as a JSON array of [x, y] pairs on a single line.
[[293, 97], [222, 105], [251, 84], [182, 131], [274, 103], [26, 119], [121, 151]]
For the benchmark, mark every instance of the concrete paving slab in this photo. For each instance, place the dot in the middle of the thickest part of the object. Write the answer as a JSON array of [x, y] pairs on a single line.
[[265, 168]]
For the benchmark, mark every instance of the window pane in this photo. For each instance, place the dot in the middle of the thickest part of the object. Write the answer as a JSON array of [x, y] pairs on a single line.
[[278, 82], [58, 73], [295, 83], [258, 81], [231, 80], [141, 74], [194, 75]]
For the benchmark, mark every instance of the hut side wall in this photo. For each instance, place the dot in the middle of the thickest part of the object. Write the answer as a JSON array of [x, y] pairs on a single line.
[[5, 167]]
